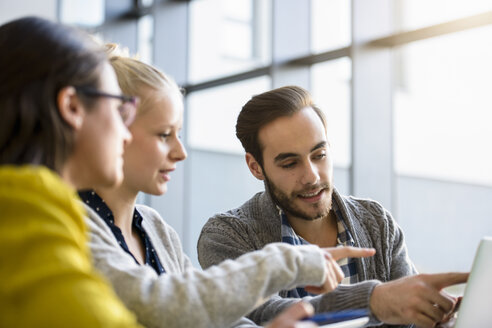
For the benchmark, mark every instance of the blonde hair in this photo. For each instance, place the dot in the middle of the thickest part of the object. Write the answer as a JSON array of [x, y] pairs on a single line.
[[136, 77]]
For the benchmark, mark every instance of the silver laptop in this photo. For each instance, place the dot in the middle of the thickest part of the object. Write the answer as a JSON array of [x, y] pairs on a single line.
[[476, 307]]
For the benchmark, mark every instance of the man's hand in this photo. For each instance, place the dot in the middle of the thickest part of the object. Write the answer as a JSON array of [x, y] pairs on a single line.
[[290, 317], [415, 299], [334, 274], [450, 320]]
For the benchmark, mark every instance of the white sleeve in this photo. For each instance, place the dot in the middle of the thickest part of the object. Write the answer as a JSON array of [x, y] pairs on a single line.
[[216, 297]]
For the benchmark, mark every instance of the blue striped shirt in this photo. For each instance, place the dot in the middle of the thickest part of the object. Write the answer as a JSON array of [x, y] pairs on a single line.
[[344, 238]]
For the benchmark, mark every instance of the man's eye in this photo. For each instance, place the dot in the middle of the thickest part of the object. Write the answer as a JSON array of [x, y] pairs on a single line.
[[288, 165]]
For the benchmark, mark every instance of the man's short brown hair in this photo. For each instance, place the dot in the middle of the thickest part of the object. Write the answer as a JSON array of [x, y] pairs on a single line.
[[267, 107]]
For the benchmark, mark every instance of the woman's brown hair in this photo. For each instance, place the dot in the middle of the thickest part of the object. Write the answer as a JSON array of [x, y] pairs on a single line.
[[38, 59]]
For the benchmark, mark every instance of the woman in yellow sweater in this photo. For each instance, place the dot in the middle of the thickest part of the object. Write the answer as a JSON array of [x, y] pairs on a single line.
[[61, 128]]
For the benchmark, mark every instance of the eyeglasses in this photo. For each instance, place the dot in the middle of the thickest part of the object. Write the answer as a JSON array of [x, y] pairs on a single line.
[[127, 109]]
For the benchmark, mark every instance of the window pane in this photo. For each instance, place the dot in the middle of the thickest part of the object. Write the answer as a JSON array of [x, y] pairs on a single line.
[[238, 9], [10, 10], [225, 40], [331, 92], [146, 38], [419, 13], [82, 12], [212, 114], [330, 24], [231, 48], [443, 108]]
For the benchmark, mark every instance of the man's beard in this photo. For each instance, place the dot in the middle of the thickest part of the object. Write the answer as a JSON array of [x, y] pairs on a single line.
[[286, 202]]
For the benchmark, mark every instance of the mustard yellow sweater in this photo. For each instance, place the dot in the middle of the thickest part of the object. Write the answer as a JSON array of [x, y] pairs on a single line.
[[46, 275]]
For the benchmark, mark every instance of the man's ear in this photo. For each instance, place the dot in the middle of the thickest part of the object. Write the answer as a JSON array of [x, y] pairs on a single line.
[[254, 167], [70, 107]]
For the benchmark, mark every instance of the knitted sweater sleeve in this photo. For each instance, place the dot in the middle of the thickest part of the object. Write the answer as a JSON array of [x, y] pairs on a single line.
[[400, 265], [216, 297], [224, 237], [377, 228]]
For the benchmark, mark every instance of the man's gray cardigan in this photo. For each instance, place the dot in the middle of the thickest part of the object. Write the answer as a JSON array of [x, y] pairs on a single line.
[[257, 223]]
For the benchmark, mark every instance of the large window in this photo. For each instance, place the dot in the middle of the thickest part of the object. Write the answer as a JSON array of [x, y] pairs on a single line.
[[331, 92], [227, 37], [330, 24], [441, 126], [10, 10], [212, 114], [76, 12], [411, 14], [145, 29], [443, 108]]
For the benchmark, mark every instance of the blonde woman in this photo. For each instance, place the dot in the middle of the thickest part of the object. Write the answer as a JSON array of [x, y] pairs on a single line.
[[142, 255]]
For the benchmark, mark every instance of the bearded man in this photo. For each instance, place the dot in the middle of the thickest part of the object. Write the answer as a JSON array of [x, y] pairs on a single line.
[[284, 135]]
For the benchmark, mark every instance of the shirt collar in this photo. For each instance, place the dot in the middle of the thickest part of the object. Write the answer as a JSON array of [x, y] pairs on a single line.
[[92, 199], [344, 236]]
